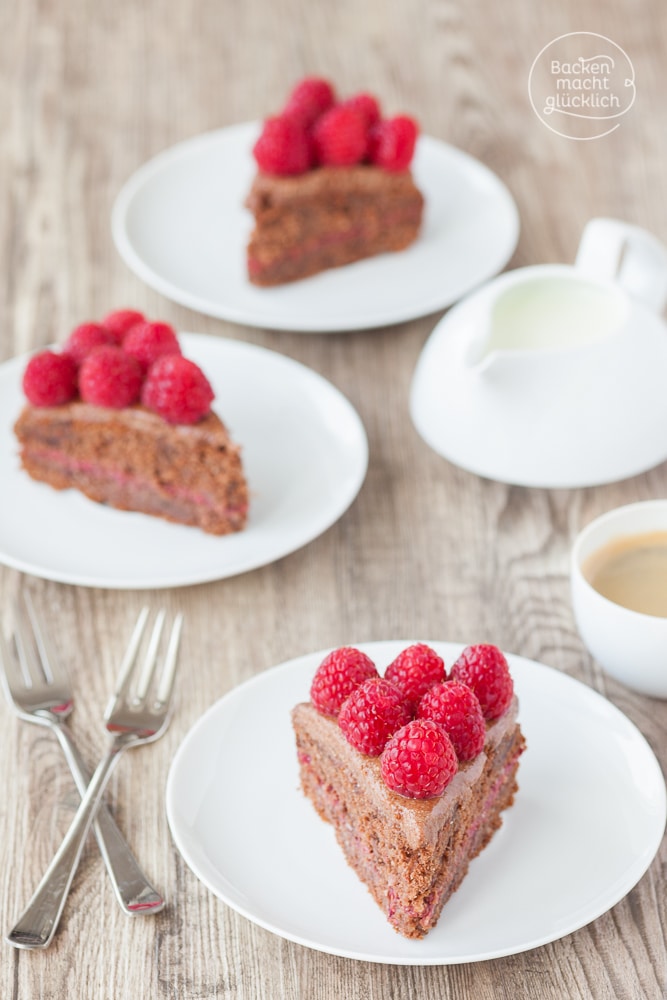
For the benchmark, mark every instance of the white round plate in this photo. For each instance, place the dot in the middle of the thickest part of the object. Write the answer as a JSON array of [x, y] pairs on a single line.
[[180, 224], [585, 826], [304, 452], [504, 427]]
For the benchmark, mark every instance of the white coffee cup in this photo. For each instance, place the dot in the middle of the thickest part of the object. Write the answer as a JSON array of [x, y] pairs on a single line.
[[630, 645]]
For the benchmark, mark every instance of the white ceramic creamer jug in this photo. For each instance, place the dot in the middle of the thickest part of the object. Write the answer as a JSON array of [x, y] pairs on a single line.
[[555, 374]]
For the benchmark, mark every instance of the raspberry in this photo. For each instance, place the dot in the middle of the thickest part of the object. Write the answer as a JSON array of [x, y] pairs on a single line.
[[50, 379], [110, 377], [149, 341], [339, 673], [414, 670], [366, 105], [340, 138], [457, 709], [86, 338], [118, 323], [484, 669], [371, 714], [177, 389], [419, 760], [392, 143], [310, 99], [283, 147]]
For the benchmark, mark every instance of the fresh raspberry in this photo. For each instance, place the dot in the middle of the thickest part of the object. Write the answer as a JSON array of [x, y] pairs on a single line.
[[86, 338], [149, 341], [50, 379], [283, 147], [373, 713], [119, 322], [177, 389], [392, 143], [456, 707], [419, 760], [414, 670], [339, 673], [366, 105], [310, 99], [110, 377], [339, 137], [484, 669]]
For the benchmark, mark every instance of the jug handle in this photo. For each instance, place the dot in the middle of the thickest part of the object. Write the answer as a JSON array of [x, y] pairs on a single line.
[[629, 256]]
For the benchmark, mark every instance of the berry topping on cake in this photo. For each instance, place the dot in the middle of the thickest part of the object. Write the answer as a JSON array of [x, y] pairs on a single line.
[[50, 379], [414, 670], [177, 389], [419, 760], [110, 377], [392, 143], [457, 709], [283, 147], [121, 321], [340, 137], [310, 99], [484, 669], [147, 342], [339, 673], [315, 130], [86, 338], [366, 105], [371, 714]]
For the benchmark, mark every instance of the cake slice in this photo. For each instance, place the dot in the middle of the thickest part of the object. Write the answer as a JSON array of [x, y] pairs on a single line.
[[328, 217], [132, 459], [128, 423], [333, 187], [411, 852]]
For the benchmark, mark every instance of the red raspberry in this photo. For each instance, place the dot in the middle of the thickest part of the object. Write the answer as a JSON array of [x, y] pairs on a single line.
[[414, 670], [50, 379], [340, 138], [339, 673], [392, 143], [86, 338], [371, 714], [283, 147], [110, 377], [177, 389], [484, 669], [457, 709], [310, 99], [366, 105], [419, 760], [149, 341], [119, 322]]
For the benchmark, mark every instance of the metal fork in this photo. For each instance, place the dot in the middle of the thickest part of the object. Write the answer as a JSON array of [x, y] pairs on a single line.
[[39, 691], [136, 714]]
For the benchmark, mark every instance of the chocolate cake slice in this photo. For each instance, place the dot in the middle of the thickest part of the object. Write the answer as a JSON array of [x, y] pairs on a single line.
[[328, 217], [133, 459], [411, 803]]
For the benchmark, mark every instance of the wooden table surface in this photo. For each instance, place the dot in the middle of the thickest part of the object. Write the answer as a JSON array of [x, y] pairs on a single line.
[[90, 92]]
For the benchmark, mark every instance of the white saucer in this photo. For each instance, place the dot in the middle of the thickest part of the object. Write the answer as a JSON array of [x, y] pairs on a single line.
[[586, 824], [509, 430], [180, 225], [305, 455]]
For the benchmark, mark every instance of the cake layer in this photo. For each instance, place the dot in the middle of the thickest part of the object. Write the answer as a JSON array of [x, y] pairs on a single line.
[[133, 460], [411, 854], [328, 217]]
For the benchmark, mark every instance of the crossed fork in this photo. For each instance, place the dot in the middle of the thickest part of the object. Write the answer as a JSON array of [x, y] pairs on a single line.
[[38, 689]]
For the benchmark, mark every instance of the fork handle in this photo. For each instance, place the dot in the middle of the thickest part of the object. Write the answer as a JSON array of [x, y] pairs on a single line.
[[134, 892], [38, 922]]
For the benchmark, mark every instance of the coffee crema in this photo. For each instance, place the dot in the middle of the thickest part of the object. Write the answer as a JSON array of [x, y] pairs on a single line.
[[632, 571]]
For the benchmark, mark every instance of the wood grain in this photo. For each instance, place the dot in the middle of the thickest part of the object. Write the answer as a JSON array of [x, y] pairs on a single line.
[[89, 92]]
